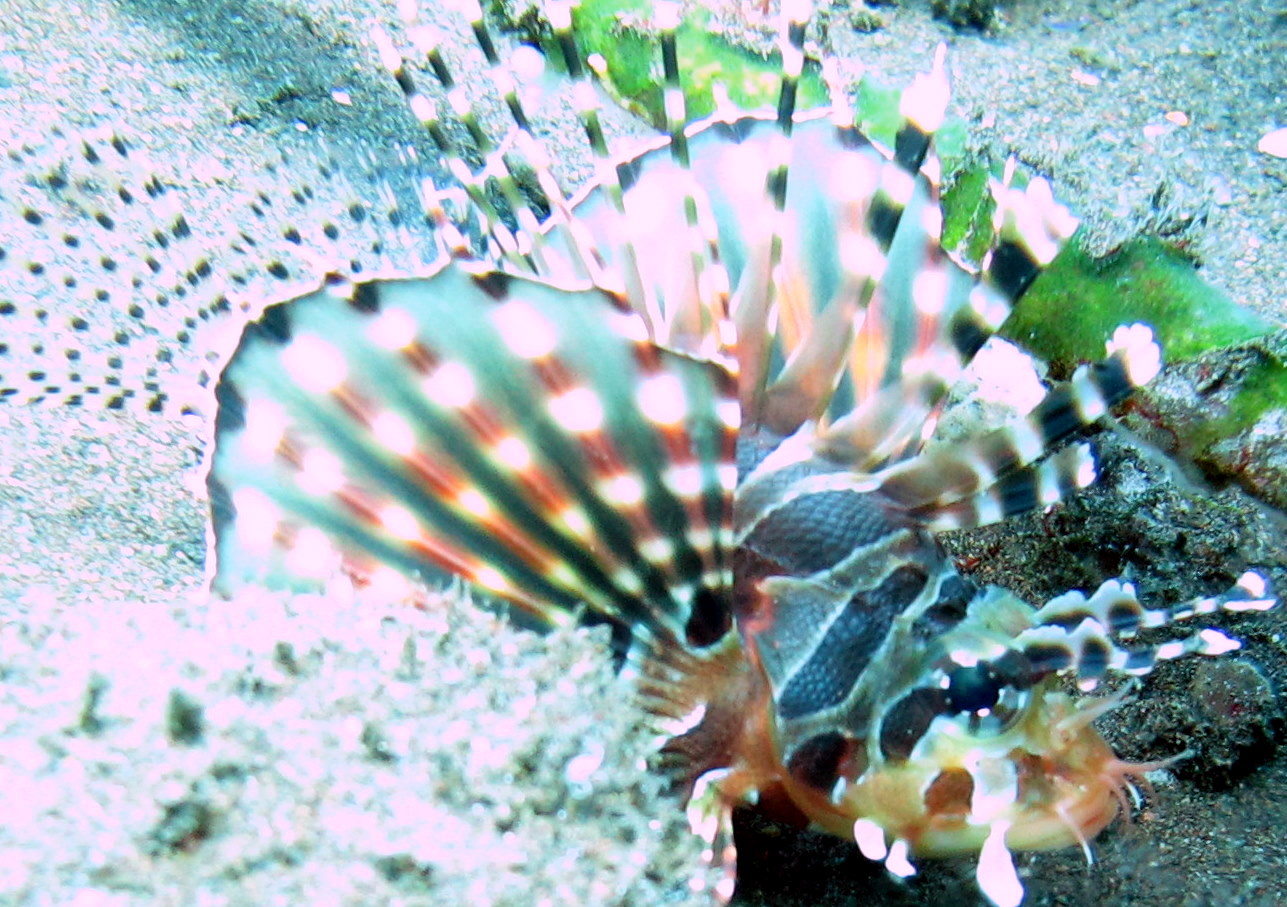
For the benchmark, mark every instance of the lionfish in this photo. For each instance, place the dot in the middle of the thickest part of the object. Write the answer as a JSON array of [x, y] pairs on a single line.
[[696, 401]]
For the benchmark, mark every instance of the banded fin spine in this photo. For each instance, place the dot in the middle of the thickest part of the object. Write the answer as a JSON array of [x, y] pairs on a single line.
[[1084, 635], [426, 112], [990, 477]]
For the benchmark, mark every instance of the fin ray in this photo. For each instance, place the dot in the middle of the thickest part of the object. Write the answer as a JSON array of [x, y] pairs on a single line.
[[532, 439]]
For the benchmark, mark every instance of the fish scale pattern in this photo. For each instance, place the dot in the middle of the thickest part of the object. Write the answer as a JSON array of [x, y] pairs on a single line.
[[694, 400]]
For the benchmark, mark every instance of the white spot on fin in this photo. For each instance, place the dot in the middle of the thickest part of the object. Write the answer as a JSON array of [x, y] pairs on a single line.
[[871, 840], [450, 384], [577, 410], [661, 398], [997, 877], [897, 862], [525, 331], [316, 365]]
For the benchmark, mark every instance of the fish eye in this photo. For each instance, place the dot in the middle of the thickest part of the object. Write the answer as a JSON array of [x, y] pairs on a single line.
[[973, 688], [992, 693], [989, 694], [982, 696]]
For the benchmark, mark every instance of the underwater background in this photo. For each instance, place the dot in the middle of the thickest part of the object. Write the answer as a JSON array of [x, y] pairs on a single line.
[[156, 748]]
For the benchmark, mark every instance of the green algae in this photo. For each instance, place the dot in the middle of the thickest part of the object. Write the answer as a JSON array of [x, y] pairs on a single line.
[[1265, 389], [1076, 303], [623, 34], [967, 212], [1262, 390]]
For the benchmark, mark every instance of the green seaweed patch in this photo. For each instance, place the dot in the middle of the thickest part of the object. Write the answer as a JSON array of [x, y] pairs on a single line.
[[616, 30], [968, 206], [621, 31], [1263, 389], [878, 116], [1077, 302], [876, 105]]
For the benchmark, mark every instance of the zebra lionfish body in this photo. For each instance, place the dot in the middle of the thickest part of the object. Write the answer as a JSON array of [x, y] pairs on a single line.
[[696, 403]]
